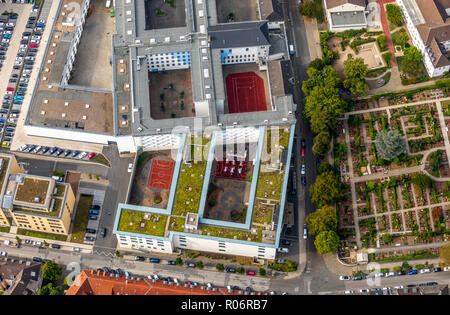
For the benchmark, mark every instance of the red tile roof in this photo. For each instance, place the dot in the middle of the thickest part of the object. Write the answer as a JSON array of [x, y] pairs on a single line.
[[90, 282]]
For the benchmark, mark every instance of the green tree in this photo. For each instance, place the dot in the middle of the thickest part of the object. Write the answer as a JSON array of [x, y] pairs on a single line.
[[307, 8], [240, 270], [51, 271], [390, 144], [382, 42], [326, 189], [413, 54], [220, 267], [323, 219], [355, 72], [324, 167], [387, 238], [406, 266], [199, 264], [179, 261], [317, 64], [422, 181], [394, 14], [262, 272], [321, 143], [326, 242]]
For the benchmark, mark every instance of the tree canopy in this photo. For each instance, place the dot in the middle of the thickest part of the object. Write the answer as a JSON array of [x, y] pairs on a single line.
[[422, 181], [355, 73], [390, 144], [321, 143], [317, 64], [413, 54], [307, 8], [326, 189], [394, 14], [326, 242], [323, 219], [51, 271]]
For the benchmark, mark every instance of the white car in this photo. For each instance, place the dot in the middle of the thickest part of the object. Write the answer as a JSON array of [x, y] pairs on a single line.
[[303, 170], [425, 270], [82, 155], [447, 268], [390, 274], [399, 287], [3, 254], [349, 292], [379, 275], [130, 167], [305, 233], [344, 278], [23, 147], [364, 291]]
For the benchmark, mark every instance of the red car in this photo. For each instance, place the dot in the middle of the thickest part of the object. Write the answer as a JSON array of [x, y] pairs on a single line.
[[250, 273], [10, 89], [91, 155], [33, 45], [303, 152]]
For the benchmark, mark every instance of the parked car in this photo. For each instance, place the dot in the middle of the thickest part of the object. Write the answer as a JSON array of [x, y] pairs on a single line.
[[283, 250], [303, 169], [75, 153], [250, 273], [190, 265], [91, 155], [56, 246], [154, 260], [230, 270], [103, 232], [390, 274], [92, 217], [92, 231], [344, 278], [94, 207], [437, 269], [93, 212], [139, 258], [89, 238], [304, 180], [53, 150], [425, 270], [82, 155], [364, 291], [412, 272], [171, 262], [286, 242]]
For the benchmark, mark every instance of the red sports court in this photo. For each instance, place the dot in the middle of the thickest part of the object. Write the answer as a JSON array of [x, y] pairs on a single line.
[[245, 93], [161, 174]]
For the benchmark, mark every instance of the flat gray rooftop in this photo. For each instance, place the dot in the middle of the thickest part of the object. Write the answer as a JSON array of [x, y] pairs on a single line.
[[348, 18]]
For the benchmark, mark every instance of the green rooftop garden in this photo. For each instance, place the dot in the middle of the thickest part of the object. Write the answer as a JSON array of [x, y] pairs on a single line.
[[56, 211], [61, 189], [190, 180], [243, 235], [3, 170], [142, 222], [176, 224], [262, 212], [32, 188]]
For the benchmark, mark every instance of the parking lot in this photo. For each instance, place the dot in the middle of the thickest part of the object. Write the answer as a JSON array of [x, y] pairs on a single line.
[[21, 36]]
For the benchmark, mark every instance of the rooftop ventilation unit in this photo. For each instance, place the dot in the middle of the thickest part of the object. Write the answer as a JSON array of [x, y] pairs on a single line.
[[84, 117], [66, 103], [36, 199], [87, 105], [63, 115]]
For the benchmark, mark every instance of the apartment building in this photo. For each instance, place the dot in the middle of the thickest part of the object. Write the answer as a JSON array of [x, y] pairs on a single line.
[[346, 14], [35, 202]]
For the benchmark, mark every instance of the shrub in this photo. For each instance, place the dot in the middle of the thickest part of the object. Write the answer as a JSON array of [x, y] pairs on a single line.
[[240, 270], [382, 42], [220, 267], [387, 58], [262, 272], [199, 264]]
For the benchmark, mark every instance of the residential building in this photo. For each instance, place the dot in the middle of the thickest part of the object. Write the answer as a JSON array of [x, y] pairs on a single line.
[[90, 282], [18, 277], [428, 23], [346, 14], [35, 202]]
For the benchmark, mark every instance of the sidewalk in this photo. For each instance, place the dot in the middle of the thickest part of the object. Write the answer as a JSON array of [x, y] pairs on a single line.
[[313, 39]]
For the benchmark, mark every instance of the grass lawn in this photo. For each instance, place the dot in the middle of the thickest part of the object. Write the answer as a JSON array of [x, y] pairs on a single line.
[[61, 190], [190, 181], [81, 218], [5, 229], [135, 222], [262, 213], [100, 158], [49, 236], [232, 233], [176, 224]]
